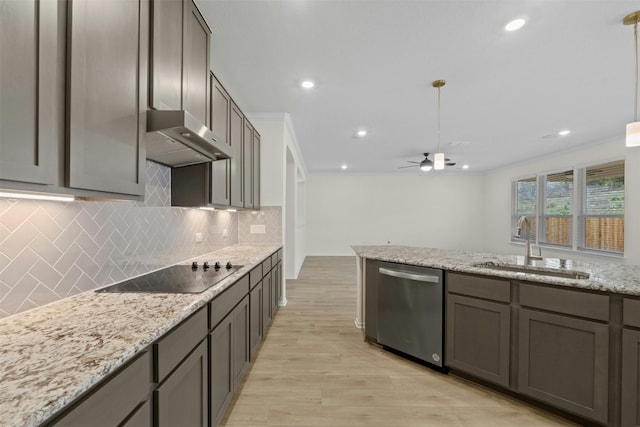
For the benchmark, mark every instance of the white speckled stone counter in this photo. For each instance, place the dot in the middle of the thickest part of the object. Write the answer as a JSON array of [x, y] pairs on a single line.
[[617, 278], [614, 277], [51, 355]]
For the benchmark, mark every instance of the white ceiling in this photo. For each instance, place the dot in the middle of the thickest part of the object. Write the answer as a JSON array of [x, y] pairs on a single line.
[[570, 67]]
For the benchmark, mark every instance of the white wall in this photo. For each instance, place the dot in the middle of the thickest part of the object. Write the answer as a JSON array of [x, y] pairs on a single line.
[[497, 197], [444, 211], [282, 167]]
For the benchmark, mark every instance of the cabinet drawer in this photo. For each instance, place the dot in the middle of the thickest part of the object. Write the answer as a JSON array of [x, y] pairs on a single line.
[[478, 286], [266, 266], [115, 399], [175, 346], [565, 301], [274, 260], [255, 276], [224, 303], [279, 254], [631, 312]]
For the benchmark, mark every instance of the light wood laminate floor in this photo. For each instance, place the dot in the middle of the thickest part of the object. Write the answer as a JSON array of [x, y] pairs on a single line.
[[314, 369]]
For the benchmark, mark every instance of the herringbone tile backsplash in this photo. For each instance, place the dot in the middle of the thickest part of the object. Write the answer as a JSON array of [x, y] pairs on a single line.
[[51, 250]]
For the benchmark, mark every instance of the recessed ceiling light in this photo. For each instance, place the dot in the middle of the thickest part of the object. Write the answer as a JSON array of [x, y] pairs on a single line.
[[344, 167], [465, 166], [307, 84], [564, 132], [516, 24], [362, 133]]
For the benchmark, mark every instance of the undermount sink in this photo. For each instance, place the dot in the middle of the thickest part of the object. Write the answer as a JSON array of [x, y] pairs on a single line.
[[531, 269]]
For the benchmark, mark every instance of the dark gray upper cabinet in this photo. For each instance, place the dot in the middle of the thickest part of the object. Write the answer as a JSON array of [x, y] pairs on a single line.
[[247, 164], [107, 92], [32, 87], [236, 127], [180, 58], [221, 169], [256, 170]]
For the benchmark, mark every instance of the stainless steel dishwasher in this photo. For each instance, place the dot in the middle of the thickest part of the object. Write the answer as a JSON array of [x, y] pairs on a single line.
[[410, 301]]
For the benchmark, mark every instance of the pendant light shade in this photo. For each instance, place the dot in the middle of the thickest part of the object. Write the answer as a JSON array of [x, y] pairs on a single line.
[[633, 134], [633, 128], [438, 161]]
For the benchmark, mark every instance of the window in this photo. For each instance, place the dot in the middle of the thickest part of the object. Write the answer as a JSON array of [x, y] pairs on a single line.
[[526, 196], [558, 209], [578, 209], [603, 213]]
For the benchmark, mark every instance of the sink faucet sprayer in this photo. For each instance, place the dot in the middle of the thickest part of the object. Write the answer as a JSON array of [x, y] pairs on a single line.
[[524, 221]]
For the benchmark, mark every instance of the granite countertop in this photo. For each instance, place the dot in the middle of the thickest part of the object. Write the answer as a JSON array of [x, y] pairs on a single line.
[[607, 277], [51, 355]]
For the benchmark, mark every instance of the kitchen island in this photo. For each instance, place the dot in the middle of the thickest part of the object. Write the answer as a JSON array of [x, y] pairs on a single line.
[[52, 355], [558, 333]]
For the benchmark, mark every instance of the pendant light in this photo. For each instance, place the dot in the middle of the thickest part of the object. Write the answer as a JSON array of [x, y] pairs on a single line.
[[438, 158], [633, 128]]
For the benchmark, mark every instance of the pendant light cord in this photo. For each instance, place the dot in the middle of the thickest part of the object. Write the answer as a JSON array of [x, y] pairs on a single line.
[[439, 107], [635, 36]]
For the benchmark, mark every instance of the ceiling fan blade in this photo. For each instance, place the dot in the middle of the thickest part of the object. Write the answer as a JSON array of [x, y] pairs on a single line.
[[412, 166], [409, 161], [450, 163]]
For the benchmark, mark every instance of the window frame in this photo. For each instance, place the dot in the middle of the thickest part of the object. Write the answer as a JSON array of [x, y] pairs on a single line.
[[578, 214]]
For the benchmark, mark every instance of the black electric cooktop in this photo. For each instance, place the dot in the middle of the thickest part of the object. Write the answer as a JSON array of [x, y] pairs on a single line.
[[187, 279]]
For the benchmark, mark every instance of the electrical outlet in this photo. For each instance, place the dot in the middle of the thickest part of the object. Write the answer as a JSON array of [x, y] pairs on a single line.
[[257, 229], [198, 237]]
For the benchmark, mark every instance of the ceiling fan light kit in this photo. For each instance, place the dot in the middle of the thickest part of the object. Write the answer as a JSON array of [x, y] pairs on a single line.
[[633, 129]]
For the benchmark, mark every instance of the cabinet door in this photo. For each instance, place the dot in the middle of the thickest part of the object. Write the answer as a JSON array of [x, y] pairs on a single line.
[[141, 417], [631, 377], [247, 164], [256, 170], [167, 45], [182, 399], [236, 126], [107, 94], [220, 348], [255, 319], [195, 71], [564, 361], [220, 120], [32, 87], [267, 288], [477, 337], [240, 329], [274, 289]]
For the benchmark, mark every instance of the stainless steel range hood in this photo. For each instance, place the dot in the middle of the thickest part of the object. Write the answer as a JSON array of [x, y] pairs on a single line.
[[179, 139]]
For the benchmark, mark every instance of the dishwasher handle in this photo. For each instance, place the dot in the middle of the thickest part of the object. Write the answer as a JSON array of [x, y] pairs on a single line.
[[409, 276]]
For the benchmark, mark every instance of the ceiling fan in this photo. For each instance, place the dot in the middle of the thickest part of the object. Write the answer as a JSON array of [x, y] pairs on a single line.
[[427, 164]]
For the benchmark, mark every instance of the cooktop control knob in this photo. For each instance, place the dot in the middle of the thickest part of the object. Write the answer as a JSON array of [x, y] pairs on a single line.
[[229, 265], [194, 265], [205, 265], [217, 265]]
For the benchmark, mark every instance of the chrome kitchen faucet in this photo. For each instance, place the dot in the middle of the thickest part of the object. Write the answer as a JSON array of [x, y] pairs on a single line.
[[524, 221]]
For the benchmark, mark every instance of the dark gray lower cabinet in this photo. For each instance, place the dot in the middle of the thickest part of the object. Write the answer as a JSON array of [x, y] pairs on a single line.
[[630, 377], [220, 345], [478, 337], [240, 332], [123, 399], [564, 361], [255, 319], [182, 400], [267, 289], [229, 350]]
